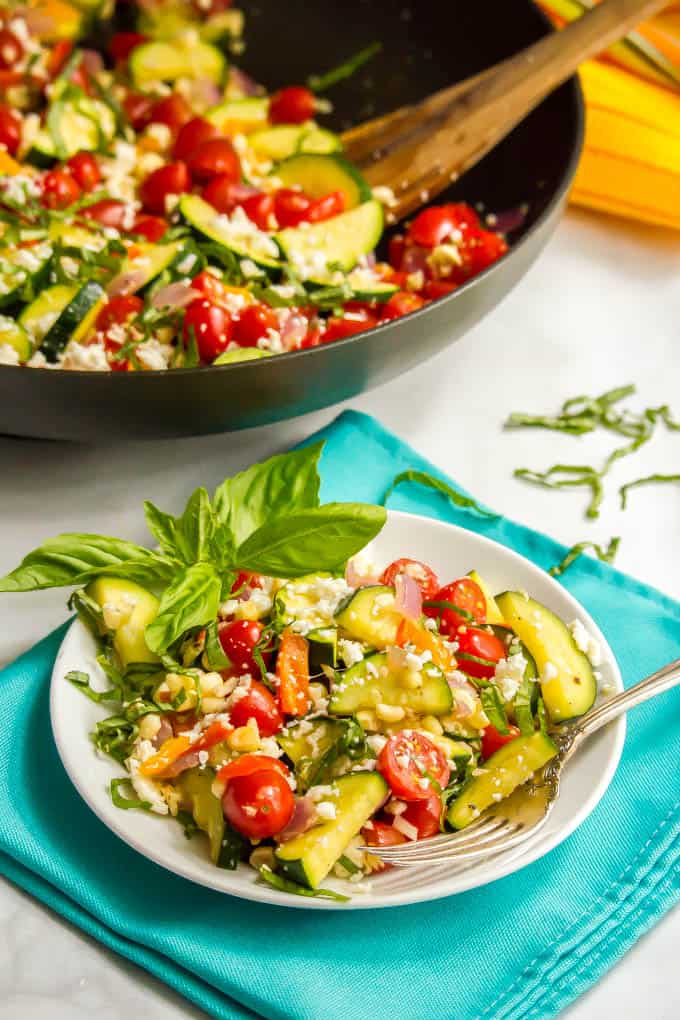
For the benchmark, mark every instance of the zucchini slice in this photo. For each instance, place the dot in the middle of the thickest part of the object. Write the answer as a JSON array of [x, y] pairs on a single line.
[[22, 272], [573, 690], [368, 615], [284, 140], [237, 233], [239, 116], [195, 787], [510, 767], [308, 858], [371, 682], [243, 354], [319, 175], [149, 260], [13, 334], [338, 243], [323, 648], [366, 287], [298, 600], [168, 61], [73, 125], [493, 613], [136, 608], [62, 313], [312, 746]]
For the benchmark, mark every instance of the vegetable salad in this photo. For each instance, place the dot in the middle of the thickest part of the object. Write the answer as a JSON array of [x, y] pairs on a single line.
[[159, 210], [292, 704]]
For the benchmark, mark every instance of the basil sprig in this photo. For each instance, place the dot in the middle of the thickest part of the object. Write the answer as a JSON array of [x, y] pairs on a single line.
[[266, 519]]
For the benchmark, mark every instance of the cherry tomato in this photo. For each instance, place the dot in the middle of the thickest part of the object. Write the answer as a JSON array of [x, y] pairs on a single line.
[[172, 110], [436, 224], [435, 289], [11, 49], [337, 329], [413, 766], [244, 578], [246, 764], [191, 135], [118, 310], [238, 639], [377, 833], [396, 247], [85, 170], [138, 109], [259, 704], [206, 8], [291, 207], [171, 179], [424, 576], [59, 190], [475, 644], [253, 323], [151, 227], [222, 193], [214, 734], [258, 805], [482, 251], [109, 212], [464, 594], [212, 327], [492, 740], [57, 57], [210, 286], [123, 43], [326, 207], [401, 303], [10, 129], [259, 208], [292, 105], [215, 157], [425, 816]]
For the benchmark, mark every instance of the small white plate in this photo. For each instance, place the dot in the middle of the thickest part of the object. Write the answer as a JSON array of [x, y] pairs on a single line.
[[452, 551]]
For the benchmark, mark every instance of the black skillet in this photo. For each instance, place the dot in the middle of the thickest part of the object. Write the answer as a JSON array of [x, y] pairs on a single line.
[[425, 47]]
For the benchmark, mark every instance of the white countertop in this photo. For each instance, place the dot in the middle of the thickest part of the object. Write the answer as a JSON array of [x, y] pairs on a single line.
[[601, 308]]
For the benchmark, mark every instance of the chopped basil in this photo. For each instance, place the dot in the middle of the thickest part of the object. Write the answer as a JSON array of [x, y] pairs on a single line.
[[606, 554], [521, 705], [649, 480], [348, 865], [82, 682], [429, 481], [494, 708], [126, 803], [285, 885], [321, 82]]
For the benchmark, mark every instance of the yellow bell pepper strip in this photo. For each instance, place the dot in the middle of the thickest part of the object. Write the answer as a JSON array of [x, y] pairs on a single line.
[[167, 755], [411, 633], [292, 671]]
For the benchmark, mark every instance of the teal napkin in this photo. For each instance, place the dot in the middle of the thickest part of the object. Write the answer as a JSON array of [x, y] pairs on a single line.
[[524, 946]]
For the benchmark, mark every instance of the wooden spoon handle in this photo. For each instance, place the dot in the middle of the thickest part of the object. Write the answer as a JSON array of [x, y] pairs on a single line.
[[418, 151]]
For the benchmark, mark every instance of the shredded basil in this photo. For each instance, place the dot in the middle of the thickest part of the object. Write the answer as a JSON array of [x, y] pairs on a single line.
[[605, 553], [126, 803], [521, 705], [494, 708], [82, 682], [348, 865], [321, 82], [649, 480], [429, 481], [285, 885]]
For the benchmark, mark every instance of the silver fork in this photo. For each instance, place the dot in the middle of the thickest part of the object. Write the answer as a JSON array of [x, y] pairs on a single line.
[[526, 811]]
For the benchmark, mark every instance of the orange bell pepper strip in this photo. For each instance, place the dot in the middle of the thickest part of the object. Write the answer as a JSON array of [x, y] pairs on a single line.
[[292, 671], [215, 734], [165, 756], [8, 165], [411, 633]]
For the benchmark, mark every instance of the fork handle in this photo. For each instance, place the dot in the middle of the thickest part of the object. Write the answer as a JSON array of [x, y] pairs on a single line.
[[663, 680]]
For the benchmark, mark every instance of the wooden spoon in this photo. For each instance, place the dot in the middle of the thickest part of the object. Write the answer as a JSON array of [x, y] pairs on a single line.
[[417, 151]]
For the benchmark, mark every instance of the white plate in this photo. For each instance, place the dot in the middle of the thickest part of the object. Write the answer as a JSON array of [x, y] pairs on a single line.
[[452, 552]]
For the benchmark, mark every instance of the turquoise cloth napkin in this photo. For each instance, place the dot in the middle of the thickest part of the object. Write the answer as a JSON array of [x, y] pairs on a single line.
[[523, 947]]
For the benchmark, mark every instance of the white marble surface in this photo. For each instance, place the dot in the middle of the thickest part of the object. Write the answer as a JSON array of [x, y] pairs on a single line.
[[601, 308]]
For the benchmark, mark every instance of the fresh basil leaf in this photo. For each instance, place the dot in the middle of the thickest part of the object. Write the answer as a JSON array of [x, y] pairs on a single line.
[[192, 600], [115, 736], [82, 682], [214, 654], [75, 559], [320, 538], [194, 530], [126, 803], [494, 708], [162, 526], [281, 485], [285, 885], [431, 482], [522, 707], [605, 553], [88, 611]]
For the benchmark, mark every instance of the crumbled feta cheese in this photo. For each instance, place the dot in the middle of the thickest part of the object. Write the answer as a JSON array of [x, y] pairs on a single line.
[[154, 355], [326, 810], [509, 674], [351, 652], [385, 196], [444, 259], [145, 788], [8, 355], [405, 828], [160, 133], [239, 231], [250, 269], [376, 742], [586, 643], [85, 358], [550, 671]]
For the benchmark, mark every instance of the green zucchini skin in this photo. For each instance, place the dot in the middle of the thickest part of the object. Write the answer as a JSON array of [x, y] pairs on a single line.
[[371, 682], [318, 175], [368, 615], [340, 241]]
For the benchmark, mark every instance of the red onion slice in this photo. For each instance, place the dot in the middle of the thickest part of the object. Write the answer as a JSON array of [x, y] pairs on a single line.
[[244, 83], [181, 764], [164, 733], [174, 295], [302, 819], [126, 283], [294, 331], [510, 219], [408, 597]]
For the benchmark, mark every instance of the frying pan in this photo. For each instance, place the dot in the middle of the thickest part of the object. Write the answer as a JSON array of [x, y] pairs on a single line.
[[425, 46]]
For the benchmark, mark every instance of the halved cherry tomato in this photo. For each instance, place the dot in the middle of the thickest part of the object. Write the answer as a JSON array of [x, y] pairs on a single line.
[[424, 576], [259, 208], [238, 639], [123, 43], [109, 212], [483, 250], [205, 8], [435, 289], [172, 110], [291, 207], [10, 129], [138, 109], [253, 323], [478, 651], [337, 329], [413, 766], [191, 135], [171, 179], [59, 190], [244, 578], [326, 207], [292, 671], [223, 194], [259, 704], [210, 286], [492, 740], [211, 325], [247, 764], [118, 310], [151, 227], [258, 805], [11, 49], [292, 105], [434, 225], [85, 170], [464, 595], [57, 57], [401, 303], [396, 246], [215, 734], [425, 816], [377, 833], [215, 157]]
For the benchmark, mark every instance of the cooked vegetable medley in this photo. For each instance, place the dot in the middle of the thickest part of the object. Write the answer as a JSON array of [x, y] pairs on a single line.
[[159, 210], [274, 690]]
